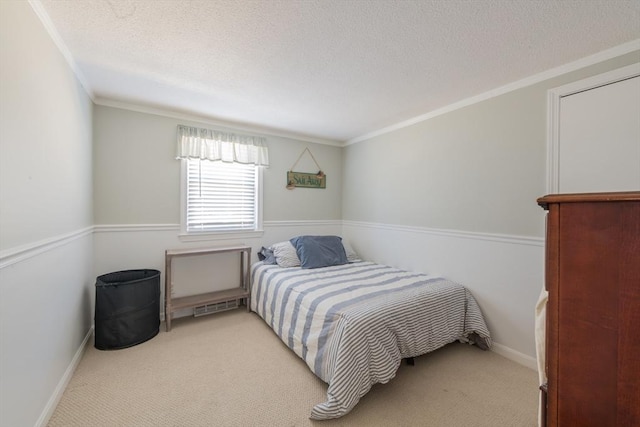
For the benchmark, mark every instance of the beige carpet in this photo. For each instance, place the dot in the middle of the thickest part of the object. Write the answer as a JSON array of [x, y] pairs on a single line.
[[230, 369]]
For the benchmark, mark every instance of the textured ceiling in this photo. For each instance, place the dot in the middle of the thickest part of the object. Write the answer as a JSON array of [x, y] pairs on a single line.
[[331, 69]]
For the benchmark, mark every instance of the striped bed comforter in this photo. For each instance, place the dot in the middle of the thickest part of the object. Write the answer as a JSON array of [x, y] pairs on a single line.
[[353, 324]]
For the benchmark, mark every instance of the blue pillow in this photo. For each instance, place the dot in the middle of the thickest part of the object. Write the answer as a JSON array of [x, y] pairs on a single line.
[[319, 251]]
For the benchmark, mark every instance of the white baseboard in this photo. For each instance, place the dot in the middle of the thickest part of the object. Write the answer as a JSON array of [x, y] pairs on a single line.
[[64, 381], [516, 356]]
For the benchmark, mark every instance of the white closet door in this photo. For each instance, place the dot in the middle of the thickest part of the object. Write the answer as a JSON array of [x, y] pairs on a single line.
[[599, 139]]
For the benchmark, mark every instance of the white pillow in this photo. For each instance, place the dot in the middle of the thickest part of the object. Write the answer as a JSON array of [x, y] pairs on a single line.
[[352, 256], [286, 255]]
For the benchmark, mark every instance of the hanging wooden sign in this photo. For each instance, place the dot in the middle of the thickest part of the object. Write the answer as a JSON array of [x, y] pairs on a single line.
[[306, 180]]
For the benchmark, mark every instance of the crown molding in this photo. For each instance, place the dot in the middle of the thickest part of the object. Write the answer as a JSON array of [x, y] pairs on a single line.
[[40, 11], [42, 14], [192, 117], [528, 81]]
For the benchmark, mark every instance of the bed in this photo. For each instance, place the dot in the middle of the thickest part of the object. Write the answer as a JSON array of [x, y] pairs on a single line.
[[354, 322]]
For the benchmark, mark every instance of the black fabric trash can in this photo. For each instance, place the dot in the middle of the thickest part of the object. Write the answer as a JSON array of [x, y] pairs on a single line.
[[127, 308]]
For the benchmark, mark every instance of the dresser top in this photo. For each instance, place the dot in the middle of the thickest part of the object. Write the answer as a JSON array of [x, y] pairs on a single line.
[[589, 197]]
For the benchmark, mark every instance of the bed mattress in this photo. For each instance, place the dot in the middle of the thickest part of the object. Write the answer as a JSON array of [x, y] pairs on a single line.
[[354, 323]]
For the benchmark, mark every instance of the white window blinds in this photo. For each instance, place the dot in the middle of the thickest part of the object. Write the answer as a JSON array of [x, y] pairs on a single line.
[[221, 196]]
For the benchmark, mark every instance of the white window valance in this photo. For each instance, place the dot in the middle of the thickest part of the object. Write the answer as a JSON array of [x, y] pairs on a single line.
[[207, 144]]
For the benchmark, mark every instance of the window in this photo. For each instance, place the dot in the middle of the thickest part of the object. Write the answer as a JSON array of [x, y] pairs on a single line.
[[221, 182], [221, 197]]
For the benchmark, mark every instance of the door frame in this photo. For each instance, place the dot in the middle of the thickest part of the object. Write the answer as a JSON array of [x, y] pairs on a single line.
[[553, 114]]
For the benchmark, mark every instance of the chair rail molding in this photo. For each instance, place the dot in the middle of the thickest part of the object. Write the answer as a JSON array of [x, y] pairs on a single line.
[[24, 252], [503, 238]]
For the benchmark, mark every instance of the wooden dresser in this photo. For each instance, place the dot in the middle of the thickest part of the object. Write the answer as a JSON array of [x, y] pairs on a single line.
[[593, 311]]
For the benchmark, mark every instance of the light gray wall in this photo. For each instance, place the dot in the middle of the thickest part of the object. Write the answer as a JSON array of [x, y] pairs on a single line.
[[478, 169], [455, 196], [137, 178], [45, 204], [137, 185], [45, 156]]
